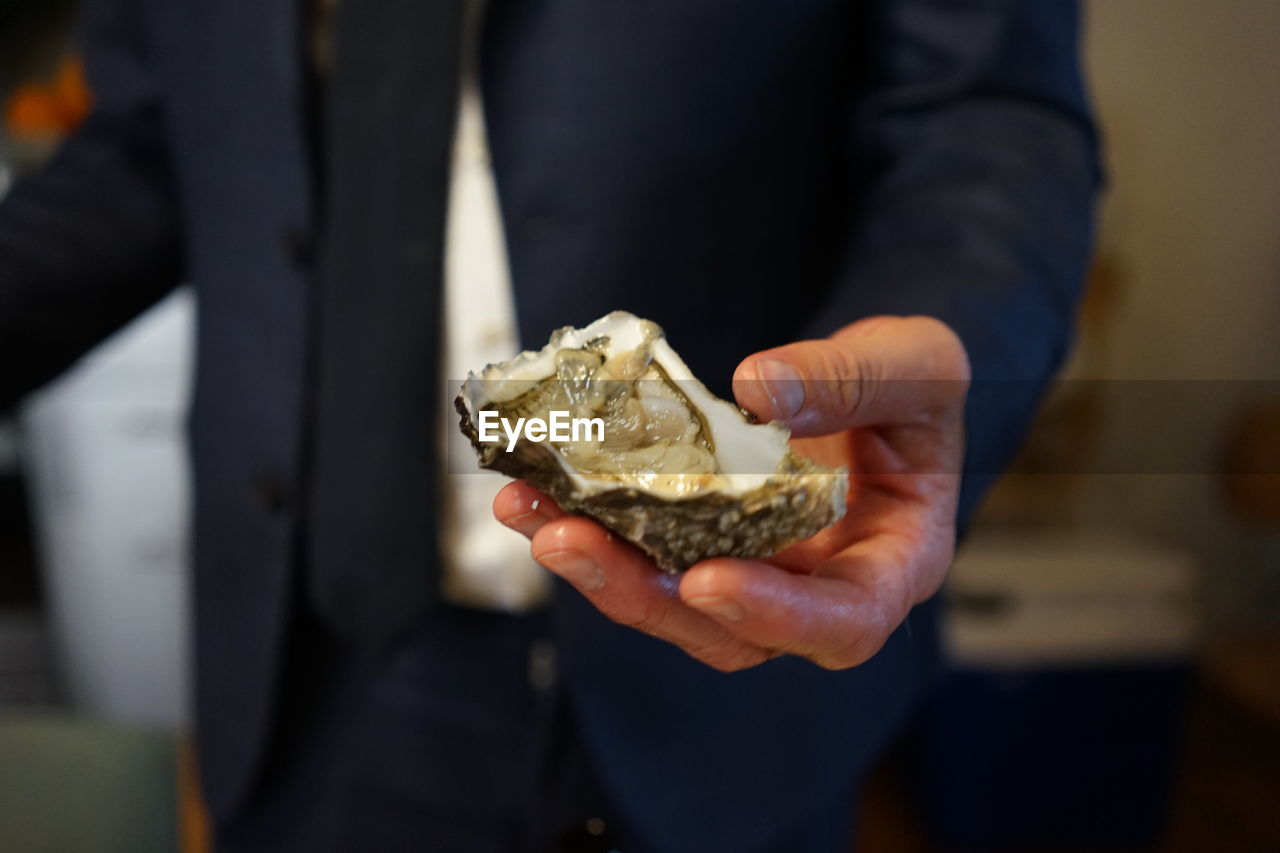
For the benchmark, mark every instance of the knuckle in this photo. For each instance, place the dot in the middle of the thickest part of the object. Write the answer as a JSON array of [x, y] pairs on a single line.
[[725, 665], [847, 376], [862, 645], [933, 574], [644, 616], [950, 358], [726, 661]]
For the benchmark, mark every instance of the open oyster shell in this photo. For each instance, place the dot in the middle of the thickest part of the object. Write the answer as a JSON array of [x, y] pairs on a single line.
[[680, 473]]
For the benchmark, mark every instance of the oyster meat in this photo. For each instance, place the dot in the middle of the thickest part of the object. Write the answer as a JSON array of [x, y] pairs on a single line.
[[675, 470]]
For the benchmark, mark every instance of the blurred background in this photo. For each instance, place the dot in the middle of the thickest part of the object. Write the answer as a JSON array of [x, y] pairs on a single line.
[[1113, 627]]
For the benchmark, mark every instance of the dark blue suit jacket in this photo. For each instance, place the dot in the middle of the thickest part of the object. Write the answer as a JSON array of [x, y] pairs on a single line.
[[745, 172]]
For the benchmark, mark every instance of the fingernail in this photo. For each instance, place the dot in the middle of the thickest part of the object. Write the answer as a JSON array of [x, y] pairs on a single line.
[[529, 522], [784, 386], [719, 607], [575, 567]]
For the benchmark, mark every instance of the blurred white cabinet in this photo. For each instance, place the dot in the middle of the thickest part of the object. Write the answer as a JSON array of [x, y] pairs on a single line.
[[1050, 600], [105, 452]]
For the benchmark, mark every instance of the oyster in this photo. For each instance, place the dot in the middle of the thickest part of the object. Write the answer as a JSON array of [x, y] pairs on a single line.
[[675, 470]]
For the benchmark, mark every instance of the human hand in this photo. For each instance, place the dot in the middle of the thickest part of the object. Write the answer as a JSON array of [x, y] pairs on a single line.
[[883, 397]]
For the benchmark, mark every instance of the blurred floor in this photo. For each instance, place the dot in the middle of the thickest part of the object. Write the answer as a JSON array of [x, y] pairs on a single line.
[[1228, 787], [69, 784]]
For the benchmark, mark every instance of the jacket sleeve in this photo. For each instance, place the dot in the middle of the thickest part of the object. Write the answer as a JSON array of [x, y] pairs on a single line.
[[90, 240], [975, 163]]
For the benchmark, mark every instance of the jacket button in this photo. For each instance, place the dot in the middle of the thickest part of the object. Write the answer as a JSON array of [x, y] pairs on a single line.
[[297, 245], [271, 492], [590, 836], [542, 665]]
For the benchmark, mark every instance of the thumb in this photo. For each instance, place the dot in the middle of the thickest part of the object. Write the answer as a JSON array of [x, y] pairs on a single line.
[[877, 372]]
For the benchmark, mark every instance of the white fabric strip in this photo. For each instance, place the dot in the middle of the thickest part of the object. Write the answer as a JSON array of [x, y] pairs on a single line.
[[485, 564]]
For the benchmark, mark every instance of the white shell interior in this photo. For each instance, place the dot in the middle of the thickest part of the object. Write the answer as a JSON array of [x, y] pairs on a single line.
[[747, 455]]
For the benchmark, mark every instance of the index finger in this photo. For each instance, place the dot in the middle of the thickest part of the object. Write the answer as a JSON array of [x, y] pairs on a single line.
[[628, 588]]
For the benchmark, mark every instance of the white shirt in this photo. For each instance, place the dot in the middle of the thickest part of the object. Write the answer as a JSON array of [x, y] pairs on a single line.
[[485, 564]]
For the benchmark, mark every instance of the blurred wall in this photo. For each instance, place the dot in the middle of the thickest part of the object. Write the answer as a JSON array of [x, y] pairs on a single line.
[[1187, 92]]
